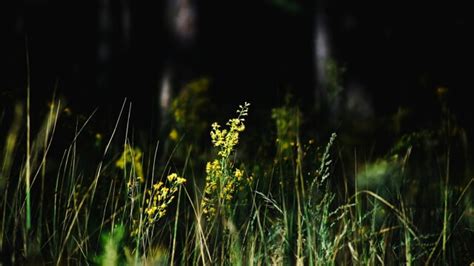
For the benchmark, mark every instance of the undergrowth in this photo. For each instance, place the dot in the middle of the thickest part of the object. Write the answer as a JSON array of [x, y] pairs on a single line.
[[102, 198]]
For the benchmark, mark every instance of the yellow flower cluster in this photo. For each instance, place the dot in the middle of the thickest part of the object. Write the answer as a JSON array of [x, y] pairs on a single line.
[[173, 135], [213, 177], [187, 110], [225, 140], [222, 180], [131, 160], [287, 126], [220, 187], [160, 196], [182, 105]]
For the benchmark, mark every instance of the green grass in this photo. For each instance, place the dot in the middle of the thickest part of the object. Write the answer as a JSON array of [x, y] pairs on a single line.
[[71, 195]]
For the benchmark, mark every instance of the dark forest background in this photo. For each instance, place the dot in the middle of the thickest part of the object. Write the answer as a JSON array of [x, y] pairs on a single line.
[[252, 50]]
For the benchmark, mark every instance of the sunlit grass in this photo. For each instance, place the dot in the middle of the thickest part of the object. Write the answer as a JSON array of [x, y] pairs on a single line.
[[187, 201]]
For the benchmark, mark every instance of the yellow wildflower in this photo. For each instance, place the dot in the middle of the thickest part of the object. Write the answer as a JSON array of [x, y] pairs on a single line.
[[131, 160], [208, 167], [222, 180], [162, 213], [164, 192], [172, 177], [173, 135], [157, 185], [238, 174], [160, 196]]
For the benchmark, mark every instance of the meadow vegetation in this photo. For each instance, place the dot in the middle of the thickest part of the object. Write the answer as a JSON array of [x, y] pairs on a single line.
[[226, 192]]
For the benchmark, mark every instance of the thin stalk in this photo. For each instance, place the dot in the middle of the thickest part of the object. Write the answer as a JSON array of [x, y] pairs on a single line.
[[28, 155], [299, 245], [445, 215], [175, 229]]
